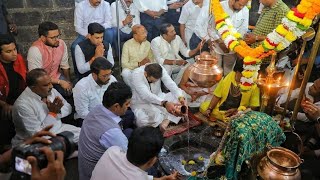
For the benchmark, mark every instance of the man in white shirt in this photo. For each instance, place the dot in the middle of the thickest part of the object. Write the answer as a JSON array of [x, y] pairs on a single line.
[[150, 105], [91, 48], [126, 21], [136, 52], [166, 48], [189, 14], [38, 106], [88, 92], [205, 29], [152, 15], [174, 12], [144, 146], [90, 11]]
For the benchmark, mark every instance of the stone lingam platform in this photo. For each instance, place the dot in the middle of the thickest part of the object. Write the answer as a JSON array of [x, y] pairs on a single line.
[[189, 152]]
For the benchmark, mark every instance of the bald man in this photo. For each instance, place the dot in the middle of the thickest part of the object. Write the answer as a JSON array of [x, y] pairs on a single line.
[[136, 52]]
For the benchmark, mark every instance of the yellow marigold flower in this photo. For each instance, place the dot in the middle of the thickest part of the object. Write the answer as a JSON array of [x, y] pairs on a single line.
[[280, 47], [193, 173], [245, 88], [191, 162], [183, 162], [247, 74], [306, 22], [292, 17], [233, 44], [219, 160], [225, 35], [281, 30], [267, 45], [220, 24], [290, 36], [237, 35]]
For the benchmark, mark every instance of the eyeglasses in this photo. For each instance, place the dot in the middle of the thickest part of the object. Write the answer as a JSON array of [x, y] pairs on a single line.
[[54, 37], [106, 75]]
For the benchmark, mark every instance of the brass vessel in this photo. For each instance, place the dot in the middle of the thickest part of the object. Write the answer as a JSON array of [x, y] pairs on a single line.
[[205, 72], [280, 164]]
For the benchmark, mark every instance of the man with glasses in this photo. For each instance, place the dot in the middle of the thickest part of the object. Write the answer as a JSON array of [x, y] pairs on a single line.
[[136, 52], [205, 29], [50, 53], [88, 92]]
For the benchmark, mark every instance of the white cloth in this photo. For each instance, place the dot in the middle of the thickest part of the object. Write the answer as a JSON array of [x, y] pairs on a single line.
[[84, 66], [188, 17], [163, 50], [30, 115], [147, 98], [122, 16], [115, 165], [87, 94], [155, 5], [294, 95], [85, 14]]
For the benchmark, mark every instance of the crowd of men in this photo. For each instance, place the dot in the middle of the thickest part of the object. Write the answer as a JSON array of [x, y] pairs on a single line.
[[120, 121]]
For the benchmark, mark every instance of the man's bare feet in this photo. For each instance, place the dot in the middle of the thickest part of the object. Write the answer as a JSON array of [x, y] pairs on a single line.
[[163, 126]]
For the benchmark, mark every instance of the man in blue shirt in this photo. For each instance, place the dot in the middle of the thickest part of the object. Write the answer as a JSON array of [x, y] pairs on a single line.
[[101, 130]]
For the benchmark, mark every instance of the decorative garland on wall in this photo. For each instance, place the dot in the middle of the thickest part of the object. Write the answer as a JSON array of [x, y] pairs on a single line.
[[293, 26]]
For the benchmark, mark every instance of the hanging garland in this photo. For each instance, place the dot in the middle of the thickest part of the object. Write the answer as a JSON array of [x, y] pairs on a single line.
[[293, 26]]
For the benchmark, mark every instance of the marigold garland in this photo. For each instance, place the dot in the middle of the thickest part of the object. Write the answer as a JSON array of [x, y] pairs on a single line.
[[293, 26]]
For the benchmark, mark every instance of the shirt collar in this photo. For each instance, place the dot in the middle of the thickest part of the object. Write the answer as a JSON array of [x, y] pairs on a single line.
[[113, 116], [93, 82], [88, 3], [32, 94]]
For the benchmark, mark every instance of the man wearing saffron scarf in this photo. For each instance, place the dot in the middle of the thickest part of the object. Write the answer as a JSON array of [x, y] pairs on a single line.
[[50, 53]]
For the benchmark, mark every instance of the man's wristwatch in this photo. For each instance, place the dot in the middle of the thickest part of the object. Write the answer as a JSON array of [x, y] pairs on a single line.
[[318, 119]]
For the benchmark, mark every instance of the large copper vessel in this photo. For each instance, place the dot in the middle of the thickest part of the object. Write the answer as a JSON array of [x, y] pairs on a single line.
[[205, 72], [280, 164]]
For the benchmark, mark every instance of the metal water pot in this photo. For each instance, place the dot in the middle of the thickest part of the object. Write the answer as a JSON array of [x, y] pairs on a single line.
[[280, 164], [205, 72]]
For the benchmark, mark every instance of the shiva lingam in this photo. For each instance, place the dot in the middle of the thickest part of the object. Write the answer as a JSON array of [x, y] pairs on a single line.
[[270, 86], [205, 72]]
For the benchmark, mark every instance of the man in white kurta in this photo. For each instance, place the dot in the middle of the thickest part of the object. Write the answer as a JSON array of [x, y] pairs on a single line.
[[189, 14], [166, 48], [38, 106], [126, 21], [136, 52], [205, 29], [150, 105]]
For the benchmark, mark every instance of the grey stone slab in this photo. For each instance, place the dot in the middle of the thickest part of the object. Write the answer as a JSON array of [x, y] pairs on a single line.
[[65, 3], [40, 3], [14, 4], [59, 16], [27, 18]]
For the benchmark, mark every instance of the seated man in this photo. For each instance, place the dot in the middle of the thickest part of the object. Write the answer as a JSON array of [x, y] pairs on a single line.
[[91, 48], [144, 146], [126, 21], [88, 92], [38, 106], [136, 52], [50, 53], [150, 105], [166, 48], [228, 98], [13, 72], [91, 11], [195, 94], [101, 129]]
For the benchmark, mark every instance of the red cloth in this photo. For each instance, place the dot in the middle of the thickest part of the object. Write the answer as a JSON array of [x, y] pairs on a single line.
[[180, 128], [20, 67]]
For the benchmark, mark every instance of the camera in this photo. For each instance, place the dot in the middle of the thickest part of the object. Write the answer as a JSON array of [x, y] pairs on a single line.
[[22, 168]]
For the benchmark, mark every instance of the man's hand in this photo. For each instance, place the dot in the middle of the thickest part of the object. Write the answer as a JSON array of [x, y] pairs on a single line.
[[37, 137], [128, 19], [231, 112], [55, 106], [66, 85], [176, 5], [13, 28], [6, 112], [54, 170], [163, 125], [99, 51], [175, 175], [195, 95], [250, 38], [312, 111], [182, 101], [181, 62], [144, 61], [171, 107]]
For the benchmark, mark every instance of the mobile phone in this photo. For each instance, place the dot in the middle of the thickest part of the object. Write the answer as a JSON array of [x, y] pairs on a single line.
[[22, 165]]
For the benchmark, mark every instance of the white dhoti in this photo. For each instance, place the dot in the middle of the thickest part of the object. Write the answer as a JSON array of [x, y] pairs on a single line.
[[200, 99], [152, 115]]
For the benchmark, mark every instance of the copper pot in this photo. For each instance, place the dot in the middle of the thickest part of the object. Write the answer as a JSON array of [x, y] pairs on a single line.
[[280, 164], [205, 72]]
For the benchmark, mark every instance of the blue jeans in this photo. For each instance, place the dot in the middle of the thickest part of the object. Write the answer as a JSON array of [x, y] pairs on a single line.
[[152, 25]]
